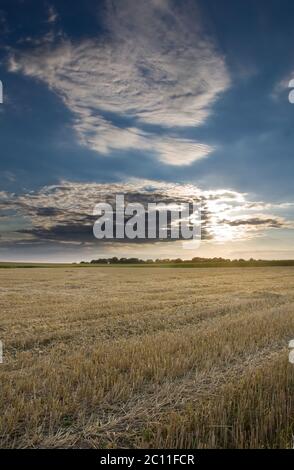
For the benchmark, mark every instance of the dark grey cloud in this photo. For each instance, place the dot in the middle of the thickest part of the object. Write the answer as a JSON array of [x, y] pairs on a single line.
[[256, 221]]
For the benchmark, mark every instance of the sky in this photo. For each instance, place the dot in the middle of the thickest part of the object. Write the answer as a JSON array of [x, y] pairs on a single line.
[[156, 99]]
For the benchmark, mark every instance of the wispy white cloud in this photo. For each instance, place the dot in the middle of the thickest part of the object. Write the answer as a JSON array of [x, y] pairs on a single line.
[[52, 14], [154, 66], [284, 84]]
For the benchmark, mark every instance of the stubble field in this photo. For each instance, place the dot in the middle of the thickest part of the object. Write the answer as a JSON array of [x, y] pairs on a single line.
[[146, 357]]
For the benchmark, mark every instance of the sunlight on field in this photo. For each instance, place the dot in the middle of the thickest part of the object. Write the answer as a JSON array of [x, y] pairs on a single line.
[[112, 357]]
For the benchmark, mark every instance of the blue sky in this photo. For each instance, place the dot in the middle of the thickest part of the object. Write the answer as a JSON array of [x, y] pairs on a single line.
[[98, 93]]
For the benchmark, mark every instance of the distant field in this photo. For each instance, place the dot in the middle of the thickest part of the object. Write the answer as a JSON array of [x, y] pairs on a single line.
[[147, 357], [206, 263]]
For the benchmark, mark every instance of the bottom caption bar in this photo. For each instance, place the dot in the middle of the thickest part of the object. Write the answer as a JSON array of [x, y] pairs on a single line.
[[138, 458]]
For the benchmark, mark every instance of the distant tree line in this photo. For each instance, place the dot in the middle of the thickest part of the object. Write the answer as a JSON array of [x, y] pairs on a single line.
[[197, 261]]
